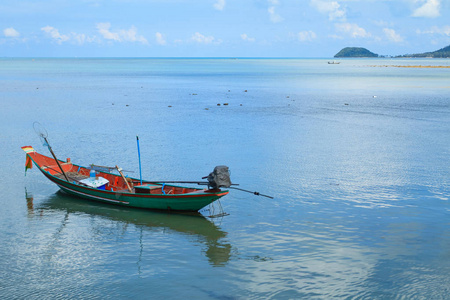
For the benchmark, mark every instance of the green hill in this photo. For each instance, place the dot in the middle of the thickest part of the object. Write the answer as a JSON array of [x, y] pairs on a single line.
[[355, 52], [441, 53]]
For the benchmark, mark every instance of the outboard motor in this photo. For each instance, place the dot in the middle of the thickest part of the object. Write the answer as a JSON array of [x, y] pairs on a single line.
[[218, 178]]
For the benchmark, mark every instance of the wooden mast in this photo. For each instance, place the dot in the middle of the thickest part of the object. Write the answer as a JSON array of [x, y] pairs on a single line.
[[54, 156]]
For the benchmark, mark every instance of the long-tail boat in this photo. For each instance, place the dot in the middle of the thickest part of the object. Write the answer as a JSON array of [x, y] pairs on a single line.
[[106, 186]]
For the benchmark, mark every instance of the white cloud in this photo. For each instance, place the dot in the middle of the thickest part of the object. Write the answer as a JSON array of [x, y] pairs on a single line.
[[200, 38], [352, 30], [274, 17], [430, 9], [445, 30], [11, 32], [305, 36], [160, 39], [103, 29], [245, 37], [121, 35], [75, 38], [54, 34], [80, 38], [392, 35], [219, 5], [382, 23], [332, 8]]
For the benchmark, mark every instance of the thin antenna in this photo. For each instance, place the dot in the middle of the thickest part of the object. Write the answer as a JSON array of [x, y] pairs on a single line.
[[139, 154], [42, 133]]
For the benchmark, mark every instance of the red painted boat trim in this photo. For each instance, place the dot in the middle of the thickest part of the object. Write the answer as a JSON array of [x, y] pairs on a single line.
[[202, 196]]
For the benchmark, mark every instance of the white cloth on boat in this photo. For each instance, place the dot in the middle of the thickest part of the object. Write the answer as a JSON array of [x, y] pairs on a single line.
[[95, 182]]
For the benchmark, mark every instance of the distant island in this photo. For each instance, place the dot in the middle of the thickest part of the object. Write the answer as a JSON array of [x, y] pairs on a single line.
[[355, 52], [441, 53], [363, 52]]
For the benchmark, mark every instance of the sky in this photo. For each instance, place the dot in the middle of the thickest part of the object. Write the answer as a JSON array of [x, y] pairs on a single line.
[[220, 28]]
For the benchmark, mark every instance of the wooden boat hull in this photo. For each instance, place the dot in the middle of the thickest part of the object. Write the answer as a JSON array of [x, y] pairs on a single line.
[[159, 197]]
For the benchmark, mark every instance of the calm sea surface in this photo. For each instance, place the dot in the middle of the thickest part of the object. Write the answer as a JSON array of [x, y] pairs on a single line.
[[356, 154]]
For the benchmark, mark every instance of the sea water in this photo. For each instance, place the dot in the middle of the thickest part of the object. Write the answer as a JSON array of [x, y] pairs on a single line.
[[356, 156]]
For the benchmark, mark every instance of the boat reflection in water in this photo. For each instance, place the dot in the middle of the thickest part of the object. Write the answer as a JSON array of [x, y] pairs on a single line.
[[205, 233], [29, 198]]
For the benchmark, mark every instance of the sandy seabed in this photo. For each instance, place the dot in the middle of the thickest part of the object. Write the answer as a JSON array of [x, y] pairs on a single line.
[[403, 66]]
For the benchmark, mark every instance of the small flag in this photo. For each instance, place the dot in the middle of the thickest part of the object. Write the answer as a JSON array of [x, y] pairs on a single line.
[[28, 164]]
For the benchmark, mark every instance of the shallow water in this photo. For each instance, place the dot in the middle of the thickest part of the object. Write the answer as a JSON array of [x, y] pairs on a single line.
[[356, 156]]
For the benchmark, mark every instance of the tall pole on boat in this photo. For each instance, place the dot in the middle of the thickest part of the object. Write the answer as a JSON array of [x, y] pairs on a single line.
[[42, 133], [54, 156], [139, 154]]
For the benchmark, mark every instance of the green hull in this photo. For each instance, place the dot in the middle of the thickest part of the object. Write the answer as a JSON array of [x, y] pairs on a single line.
[[178, 202], [117, 189]]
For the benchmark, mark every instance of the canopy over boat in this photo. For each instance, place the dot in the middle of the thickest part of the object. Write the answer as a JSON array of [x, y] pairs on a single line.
[[104, 186]]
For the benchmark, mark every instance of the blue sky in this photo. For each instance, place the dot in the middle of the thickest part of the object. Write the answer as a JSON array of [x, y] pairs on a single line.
[[220, 28]]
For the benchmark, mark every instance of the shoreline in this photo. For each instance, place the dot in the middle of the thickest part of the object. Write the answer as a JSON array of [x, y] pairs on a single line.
[[417, 66]]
